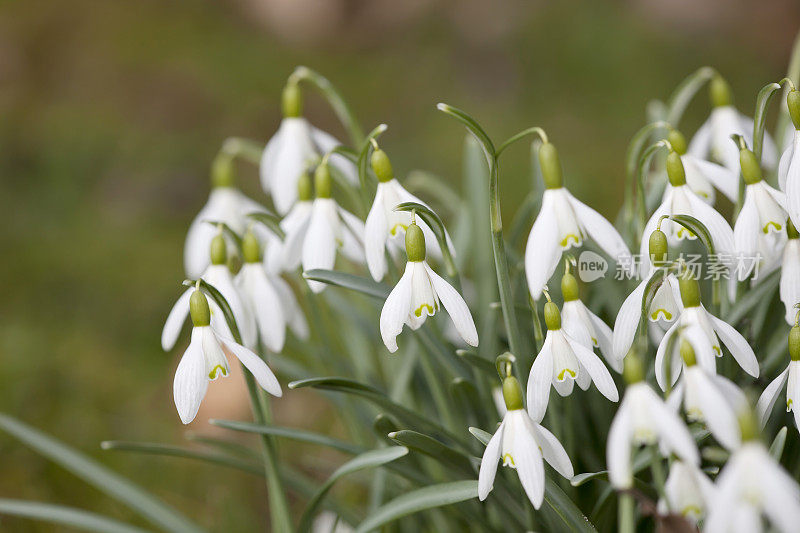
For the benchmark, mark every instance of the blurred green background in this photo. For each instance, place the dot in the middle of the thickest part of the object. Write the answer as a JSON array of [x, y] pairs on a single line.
[[110, 113]]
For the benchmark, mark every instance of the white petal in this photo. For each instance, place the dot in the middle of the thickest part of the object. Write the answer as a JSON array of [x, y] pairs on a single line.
[[198, 241], [396, 309], [661, 353], [325, 142], [717, 411], [703, 351], [793, 391], [671, 429], [375, 235], [352, 236], [177, 316], [719, 229], [542, 252], [792, 187], [552, 450], [785, 161], [618, 448], [296, 233], [745, 233], [190, 384], [220, 278], [790, 279], [491, 456], [292, 157], [266, 306], [291, 309], [628, 321], [456, 307], [539, 380], [603, 232], [600, 376], [700, 144], [781, 496], [723, 179], [268, 156], [770, 395], [530, 467], [737, 344], [319, 248], [604, 339], [261, 372]]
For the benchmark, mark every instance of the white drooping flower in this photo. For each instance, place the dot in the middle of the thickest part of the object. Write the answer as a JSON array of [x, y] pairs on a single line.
[[679, 199], [665, 306], [644, 419], [327, 228], [705, 396], [688, 490], [218, 276], [789, 168], [704, 331], [562, 362], [583, 325], [522, 444], [418, 294], [791, 378], [761, 224], [564, 222], [206, 359], [704, 176], [296, 146], [790, 273], [713, 139], [228, 205], [385, 226], [750, 485]]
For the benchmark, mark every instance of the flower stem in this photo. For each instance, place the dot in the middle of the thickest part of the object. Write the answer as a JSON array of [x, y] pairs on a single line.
[[246, 149], [625, 513]]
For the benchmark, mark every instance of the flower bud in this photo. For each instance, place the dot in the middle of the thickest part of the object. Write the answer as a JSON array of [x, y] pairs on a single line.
[[219, 250], [381, 166], [198, 309], [675, 170], [569, 287], [794, 343], [793, 101], [551, 166], [322, 181], [720, 92], [305, 190], [632, 369], [552, 316], [677, 141], [751, 170], [415, 243], [222, 171], [251, 250], [292, 101], [690, 290], [512, 393], [687, 353], [658, 247], [791, 231]]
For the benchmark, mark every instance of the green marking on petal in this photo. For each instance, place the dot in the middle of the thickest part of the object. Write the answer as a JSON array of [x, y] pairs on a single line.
[[775, 225], [691, 510], [788, 405], [393, 231], [684, 233], [654, 314], [418, 311], [507, 459], [595, 342], [570, 237], [718, 351], [217, 370], [563, 373]]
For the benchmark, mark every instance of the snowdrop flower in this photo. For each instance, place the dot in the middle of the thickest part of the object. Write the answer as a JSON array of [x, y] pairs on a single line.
[[679, 199], [385, 225], [296, 145], [752, 484], [665, 306], [225, 204], [522, 444], [219, 276], [206, 359], [295, 223], [703, 176], [791, 376], [704, 331], [789, 167], [707, 398], [688, 490], [763, 216], [418, 294], [643, 419], [583, 325], [564, 222], [713, 139], [561, 362], [326, 229], [790, 272]]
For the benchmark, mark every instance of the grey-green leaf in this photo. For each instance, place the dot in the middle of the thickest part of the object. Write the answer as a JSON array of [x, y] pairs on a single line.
[[776, 449], [64, 516], [289, 433], [349, 281]]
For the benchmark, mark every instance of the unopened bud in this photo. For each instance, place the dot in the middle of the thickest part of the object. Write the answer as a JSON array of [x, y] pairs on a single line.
[[219, 250], [512, 393], [292, 101], [751, 170], [569, 287], [251, 250], [675, 170], [551, 166], [415, 243], [720, 92], [198, 309], [322, 181], [381, 166], [552, 316]]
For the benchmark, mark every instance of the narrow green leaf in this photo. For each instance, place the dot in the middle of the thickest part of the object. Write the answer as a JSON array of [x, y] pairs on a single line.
[[270, 220], [187, 453], [753, 297], [349, 281], [685, 92], [474, 128], [696, 227], [369, 459], [64, 516], [433, 448], [484, 365], [89, 470], [435, 223], [289, 433], [483, 436], [776, 448], [563, 511], [420, 500], [335, 100]]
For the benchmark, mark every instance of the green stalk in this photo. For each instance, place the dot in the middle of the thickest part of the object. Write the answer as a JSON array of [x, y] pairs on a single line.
[[657, 470], [625, 513], [246, 149]]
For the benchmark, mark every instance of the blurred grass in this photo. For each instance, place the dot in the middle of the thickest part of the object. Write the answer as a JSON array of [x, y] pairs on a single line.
[[110, 113]]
